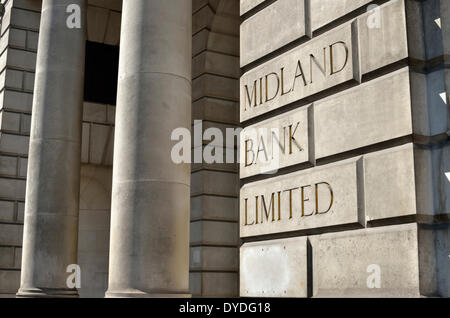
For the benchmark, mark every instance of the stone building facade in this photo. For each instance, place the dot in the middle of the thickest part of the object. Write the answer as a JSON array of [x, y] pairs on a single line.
[[359, 95], [355, 202]]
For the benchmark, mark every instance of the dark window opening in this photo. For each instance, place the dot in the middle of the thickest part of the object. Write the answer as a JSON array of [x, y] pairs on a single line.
[[101, 73]]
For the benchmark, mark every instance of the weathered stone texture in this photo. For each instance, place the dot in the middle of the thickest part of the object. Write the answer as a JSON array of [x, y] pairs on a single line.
[[282, 22], [343, 263], [274, 268], [371, 113]]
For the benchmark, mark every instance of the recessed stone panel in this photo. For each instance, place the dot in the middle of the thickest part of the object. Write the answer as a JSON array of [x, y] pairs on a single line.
[[310, 199], [321, 63], [370, 113], [274, 269], [380, 262], [274, 144], [282, 22]]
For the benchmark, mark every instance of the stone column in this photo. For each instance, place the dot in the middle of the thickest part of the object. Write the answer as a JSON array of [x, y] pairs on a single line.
[[149, 251], [53, 182]]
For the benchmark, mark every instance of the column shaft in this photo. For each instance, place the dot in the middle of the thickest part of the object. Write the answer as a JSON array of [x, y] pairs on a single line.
[[53, 181], [149, 251]]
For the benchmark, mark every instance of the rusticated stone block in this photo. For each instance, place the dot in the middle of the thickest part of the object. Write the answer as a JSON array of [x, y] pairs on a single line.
[[282, 22], [305, 200], [380, 262]]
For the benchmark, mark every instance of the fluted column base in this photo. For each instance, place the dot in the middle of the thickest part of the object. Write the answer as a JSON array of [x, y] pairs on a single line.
[[47, 293]]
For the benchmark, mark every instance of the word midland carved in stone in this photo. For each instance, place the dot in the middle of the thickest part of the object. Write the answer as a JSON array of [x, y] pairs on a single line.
[[269, 86], [310, 68], [271, 211]]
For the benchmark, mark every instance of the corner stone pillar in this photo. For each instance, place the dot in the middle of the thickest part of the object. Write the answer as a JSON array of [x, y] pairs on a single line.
[[53, 182], [149, 247]]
